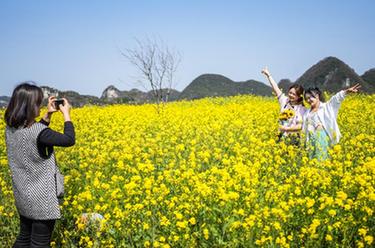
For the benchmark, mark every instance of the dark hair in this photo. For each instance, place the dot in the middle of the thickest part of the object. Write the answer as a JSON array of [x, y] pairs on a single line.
[[299, 91], [24, 105], [315, 91]]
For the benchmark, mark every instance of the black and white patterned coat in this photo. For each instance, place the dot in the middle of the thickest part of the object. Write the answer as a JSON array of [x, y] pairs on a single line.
[[33, 177]]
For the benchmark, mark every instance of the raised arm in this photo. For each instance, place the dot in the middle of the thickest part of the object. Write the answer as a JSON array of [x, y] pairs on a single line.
[[49, 137], [336, 100], [353, 89], [274, 85]]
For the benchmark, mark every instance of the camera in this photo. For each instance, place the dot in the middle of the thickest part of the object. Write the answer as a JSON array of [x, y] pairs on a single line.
[[57, 103]]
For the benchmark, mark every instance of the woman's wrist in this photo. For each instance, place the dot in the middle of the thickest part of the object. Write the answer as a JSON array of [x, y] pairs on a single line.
[[47, 117], [283, 128], [66, 117]]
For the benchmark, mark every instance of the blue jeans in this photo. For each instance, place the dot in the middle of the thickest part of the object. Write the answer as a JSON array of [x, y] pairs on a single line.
[[34, 233]]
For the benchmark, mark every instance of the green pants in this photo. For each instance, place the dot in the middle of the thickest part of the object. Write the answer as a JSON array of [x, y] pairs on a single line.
[[318, 144]]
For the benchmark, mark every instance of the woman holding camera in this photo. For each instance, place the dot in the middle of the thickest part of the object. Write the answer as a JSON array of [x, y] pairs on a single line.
[[32, 162], [291, 110]]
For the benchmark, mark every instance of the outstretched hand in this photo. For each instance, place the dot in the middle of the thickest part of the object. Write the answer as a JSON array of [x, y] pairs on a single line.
[[266, 72], [353, 89]]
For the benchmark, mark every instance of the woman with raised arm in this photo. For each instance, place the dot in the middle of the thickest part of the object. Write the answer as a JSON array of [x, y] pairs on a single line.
[[291, 110], [320, 121], [32, 162]]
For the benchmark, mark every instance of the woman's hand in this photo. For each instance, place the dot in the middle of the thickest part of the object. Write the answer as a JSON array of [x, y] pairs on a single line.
[[294, 128], [283, 128], [266, 72], [65, 109], [51, 104], [353, 89], [319, 126], [274, 85], [50, 109]]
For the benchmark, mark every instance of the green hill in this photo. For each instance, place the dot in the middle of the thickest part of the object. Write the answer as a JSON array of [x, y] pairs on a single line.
[[332, 75], [210, 85], [113, 95], [75, 99], [329, 74], [4, 101], [284, 85], [369, 77]]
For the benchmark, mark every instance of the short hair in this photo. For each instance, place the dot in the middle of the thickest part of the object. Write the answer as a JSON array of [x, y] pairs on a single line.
[[24, 105], [315, 91]]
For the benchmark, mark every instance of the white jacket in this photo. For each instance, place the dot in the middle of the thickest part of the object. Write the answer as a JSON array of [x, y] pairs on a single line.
[[327, 113]]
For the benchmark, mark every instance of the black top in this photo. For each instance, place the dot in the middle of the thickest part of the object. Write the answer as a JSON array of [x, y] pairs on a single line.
[[49, 138]]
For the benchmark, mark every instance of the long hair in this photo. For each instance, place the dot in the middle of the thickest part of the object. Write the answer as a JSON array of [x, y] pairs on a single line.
[[299, 91], [24, 105], [315, 92]]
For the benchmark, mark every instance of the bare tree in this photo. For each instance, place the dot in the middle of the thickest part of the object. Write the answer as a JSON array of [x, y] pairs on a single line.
[[157, 64]]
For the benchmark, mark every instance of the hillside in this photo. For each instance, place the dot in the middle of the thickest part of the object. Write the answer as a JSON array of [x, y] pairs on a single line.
[[284, 85], [332, 75], [75, 99], [113, 95], [209, 85], [329, 74], [369, 77], [4, 101]]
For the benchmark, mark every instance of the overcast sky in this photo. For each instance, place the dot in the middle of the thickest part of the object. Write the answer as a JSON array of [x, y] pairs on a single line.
[[75, 45]]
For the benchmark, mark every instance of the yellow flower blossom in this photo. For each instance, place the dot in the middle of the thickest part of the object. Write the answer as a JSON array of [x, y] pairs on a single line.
[[207, 173]]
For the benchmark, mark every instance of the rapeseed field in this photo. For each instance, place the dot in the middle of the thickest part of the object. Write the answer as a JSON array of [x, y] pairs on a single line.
[[207, 173]]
